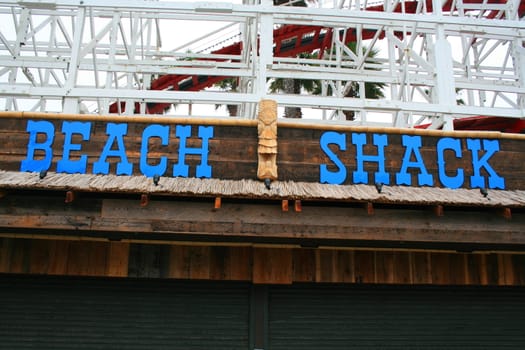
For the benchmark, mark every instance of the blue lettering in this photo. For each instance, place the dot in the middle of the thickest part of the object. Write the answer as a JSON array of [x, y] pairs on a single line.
[[327, 176], [67, 165], [203, 169], [454, 145], [161, 132], [413, 144], [35, 128], [491, 147], [380, 141], [115, 132]]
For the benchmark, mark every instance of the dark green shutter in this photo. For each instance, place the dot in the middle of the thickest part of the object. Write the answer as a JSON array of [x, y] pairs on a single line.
[[337, 317], [74, 313]]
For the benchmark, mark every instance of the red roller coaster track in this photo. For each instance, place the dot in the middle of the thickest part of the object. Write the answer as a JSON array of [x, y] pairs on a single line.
[[291, 40]]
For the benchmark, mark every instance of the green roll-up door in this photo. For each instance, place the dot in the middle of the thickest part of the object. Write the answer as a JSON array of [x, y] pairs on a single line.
[[83, 313], [338, 317]]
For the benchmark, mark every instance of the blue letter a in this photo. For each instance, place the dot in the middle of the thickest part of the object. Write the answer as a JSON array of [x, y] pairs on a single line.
[[115, 132], [413, 144]]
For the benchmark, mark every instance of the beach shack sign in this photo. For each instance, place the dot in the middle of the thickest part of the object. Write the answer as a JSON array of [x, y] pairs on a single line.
[[114, 149], [343, 156], [480, 152]]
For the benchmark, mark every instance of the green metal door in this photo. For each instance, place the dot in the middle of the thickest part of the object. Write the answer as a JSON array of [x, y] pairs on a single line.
[[338, 317], [83, 313]]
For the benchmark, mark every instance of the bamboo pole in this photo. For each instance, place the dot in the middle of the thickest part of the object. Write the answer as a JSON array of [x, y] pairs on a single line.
[[397, 131], [157, 119]]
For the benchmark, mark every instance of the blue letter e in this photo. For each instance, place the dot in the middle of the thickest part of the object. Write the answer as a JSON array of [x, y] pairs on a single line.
[[66, 165]]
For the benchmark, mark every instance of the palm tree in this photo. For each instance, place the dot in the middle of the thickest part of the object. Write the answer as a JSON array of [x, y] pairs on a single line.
[[371, 90], [231, 85], [295, 86], [289, 86]]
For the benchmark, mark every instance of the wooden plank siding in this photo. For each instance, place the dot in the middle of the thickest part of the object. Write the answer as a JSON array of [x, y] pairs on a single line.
[[233, 150], [57, 257], [260, 265]]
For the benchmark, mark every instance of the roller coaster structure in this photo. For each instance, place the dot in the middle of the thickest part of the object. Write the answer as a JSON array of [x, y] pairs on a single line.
[[442, 63]]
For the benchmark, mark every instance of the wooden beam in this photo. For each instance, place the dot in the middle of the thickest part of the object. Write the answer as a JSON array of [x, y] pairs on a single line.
[[144, 200], [438, 210], [506, 213], [298, 207], [70, 197], [284, 205], [369, 206], [218, 203], [257, 223]]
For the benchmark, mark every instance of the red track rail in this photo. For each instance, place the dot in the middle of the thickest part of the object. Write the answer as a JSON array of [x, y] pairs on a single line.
[[482, 123], [291, 40]]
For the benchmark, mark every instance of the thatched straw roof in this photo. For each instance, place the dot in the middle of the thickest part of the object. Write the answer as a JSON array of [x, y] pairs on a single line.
[[254, 189]]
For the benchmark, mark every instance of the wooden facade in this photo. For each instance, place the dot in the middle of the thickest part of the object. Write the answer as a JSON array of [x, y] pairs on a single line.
[[259, 264], [229, 225], [231, 149]]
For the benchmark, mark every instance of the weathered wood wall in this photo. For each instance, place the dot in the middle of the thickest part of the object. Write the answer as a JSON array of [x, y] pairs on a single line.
[[259, 265], [233, 152], [300, 155], [57, 257]]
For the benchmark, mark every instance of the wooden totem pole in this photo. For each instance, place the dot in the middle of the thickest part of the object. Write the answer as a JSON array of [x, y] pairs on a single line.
[[267, 150]]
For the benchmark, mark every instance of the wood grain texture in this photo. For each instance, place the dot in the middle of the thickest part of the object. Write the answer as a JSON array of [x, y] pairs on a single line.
[[304, 267], [272, 266], [247, 223], [300, 156], [259, 265], [117, 259], [58, 257], [233, 151]]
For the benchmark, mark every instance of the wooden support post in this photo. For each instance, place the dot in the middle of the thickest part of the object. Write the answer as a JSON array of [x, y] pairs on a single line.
[[284, 205], [218, 203], [144, 200], [298, 206], [70, 197], [369, 208], [438, 210]]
